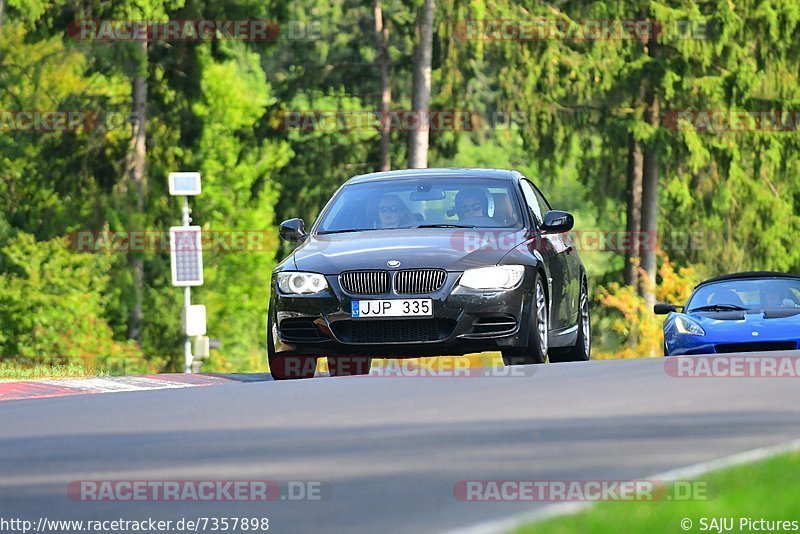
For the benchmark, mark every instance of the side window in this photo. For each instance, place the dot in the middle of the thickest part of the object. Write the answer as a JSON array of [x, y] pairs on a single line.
[[544, 206], [532, 201]]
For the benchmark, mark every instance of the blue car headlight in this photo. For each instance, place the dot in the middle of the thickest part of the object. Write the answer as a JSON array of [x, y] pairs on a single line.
[[684, 325]]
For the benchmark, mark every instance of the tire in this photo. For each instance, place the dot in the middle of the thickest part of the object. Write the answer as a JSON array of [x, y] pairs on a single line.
[[349, 365], [287, 367], [538, 334], [582, 350]]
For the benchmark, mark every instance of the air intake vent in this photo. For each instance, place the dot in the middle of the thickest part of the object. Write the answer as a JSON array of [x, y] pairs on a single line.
[[365, 282], [756, 346], [300, 329], [393, 331], [419, 281], [494, 325]]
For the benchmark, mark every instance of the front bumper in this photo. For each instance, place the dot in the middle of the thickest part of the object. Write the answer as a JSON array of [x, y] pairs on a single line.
[[463, 321], [684, 345]]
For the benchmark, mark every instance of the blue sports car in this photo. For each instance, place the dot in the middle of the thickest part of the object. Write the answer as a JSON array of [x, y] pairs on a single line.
[[742, 312]]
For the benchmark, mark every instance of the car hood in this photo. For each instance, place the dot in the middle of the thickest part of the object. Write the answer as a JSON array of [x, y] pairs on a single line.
[[450, 249], [727, 324]]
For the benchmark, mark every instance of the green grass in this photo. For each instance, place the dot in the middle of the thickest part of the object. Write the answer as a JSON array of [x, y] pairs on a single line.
[[12, 371], [767, 490]]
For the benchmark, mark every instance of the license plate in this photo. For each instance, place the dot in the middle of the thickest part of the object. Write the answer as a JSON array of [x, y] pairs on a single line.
[[392, 308]]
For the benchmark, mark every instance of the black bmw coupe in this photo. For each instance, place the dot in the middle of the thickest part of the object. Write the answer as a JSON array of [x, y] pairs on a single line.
[[428, 262]]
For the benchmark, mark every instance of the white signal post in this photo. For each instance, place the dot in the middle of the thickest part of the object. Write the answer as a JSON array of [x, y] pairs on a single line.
[[187, 265]]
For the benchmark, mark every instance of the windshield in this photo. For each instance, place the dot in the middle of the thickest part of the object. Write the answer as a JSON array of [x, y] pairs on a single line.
[[424, 202], [768, 293]]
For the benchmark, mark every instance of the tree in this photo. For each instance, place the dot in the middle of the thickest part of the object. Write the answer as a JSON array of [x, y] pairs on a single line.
[[633, 212], [382, 45], [137, 180], [421, 90], [649, 203]]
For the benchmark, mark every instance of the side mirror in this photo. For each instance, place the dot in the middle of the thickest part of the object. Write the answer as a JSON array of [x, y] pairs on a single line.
[[662, 308], [558, 222], [293, 230]]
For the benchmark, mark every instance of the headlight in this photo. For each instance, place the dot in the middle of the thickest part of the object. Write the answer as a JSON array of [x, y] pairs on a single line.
[[295, 283], [501, 277], [687, 326]]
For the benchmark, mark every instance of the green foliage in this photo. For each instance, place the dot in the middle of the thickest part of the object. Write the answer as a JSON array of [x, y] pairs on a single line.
[[627, 327], [239, 195], [51, 305]]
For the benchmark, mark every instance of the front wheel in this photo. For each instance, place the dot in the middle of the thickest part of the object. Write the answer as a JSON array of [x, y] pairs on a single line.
[[536, 351], [581, 351], [287, 367]]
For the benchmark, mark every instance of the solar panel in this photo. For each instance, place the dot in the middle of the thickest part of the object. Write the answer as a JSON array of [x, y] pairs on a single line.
[[184, 183], [186, 255]]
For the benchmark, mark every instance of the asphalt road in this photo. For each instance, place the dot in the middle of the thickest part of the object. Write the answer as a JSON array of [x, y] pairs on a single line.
[[387, 451]]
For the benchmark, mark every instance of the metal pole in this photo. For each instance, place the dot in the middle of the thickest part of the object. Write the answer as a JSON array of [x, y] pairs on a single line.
[[187, 298], [187, 301]]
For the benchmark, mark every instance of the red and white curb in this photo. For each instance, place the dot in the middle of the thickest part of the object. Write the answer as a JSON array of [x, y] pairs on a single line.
[[37, 389]]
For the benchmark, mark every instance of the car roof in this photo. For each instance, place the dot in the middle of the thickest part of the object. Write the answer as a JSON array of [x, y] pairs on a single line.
[[748, 274], [438, 173]]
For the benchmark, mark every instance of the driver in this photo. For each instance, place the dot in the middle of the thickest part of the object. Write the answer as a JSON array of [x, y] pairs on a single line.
[[773, 297]]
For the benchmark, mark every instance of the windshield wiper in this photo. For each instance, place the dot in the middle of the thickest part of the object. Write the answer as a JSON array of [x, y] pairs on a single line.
[[324, 232], [445, 225], [719, 307]]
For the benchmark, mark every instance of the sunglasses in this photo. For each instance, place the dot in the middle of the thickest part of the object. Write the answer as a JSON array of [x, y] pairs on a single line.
[[477, 206], [389, 209]]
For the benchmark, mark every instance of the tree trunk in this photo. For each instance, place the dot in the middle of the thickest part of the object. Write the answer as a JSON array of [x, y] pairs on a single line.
[[382, 44], [421, 89], [650, 204], [633, 223], [137, 178], [2, 9]]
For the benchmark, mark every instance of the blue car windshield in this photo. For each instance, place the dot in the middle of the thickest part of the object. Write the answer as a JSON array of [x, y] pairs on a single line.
[[752, 294], [424, 202]]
